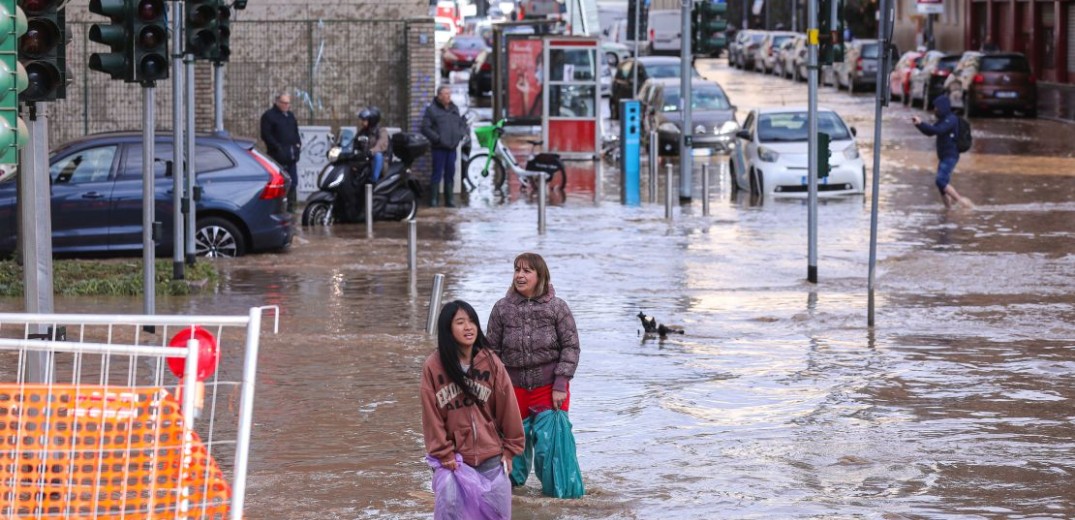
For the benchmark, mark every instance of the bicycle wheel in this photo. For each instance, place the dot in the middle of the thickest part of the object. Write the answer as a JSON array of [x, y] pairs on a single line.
[[473, 178], [556, 179]]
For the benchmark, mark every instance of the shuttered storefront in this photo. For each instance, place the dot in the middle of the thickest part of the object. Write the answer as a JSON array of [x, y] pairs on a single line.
[[1071, 39]]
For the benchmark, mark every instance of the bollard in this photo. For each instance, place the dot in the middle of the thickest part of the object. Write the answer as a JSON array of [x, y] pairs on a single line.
[[668, 193], [434, 303], [369, 211], [542, 197], [654, 161], [412, 245], [705, 190]]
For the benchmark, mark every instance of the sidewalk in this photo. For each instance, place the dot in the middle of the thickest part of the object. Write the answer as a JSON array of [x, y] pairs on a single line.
[[1056, 101]]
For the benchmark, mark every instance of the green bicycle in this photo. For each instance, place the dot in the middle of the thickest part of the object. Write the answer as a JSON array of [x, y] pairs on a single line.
[[477, 168]]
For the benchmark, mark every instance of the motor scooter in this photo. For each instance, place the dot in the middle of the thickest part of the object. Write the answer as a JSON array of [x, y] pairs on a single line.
[[341, 195]]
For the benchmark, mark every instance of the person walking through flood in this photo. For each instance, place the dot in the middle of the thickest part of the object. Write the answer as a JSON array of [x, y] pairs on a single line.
[[534, 333], [945, 129], [468, 409]]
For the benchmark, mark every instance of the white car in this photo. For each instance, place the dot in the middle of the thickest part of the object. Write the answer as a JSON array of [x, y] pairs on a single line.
[[443, 30], [770, 156]]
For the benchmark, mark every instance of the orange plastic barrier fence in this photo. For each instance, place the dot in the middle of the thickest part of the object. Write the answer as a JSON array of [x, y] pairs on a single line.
[[70, 451]]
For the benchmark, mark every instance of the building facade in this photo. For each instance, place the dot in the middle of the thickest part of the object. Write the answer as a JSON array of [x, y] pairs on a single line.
[[1042, 30]]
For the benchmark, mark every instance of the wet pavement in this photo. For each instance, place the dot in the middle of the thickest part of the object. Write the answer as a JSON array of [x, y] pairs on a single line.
[[777, 402]]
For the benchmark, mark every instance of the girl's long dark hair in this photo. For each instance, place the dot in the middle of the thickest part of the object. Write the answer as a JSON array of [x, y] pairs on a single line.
[[449, 349]]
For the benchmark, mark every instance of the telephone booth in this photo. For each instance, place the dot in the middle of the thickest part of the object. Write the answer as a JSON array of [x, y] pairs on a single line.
[[571, 98]]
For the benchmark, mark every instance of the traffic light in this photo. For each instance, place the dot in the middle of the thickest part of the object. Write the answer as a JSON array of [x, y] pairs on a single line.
[[823, 155], [643, 20], [831, 35], [223, 34], [201, 28], [42, 50], [13, 133], [708, 23], [116, 35], [150, 31]]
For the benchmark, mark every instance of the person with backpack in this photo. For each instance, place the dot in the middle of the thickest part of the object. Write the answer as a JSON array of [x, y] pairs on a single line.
[[947, 129]]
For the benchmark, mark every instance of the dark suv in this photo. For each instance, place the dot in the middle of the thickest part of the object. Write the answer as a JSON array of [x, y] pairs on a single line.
[[1001, 82], [96, 186]]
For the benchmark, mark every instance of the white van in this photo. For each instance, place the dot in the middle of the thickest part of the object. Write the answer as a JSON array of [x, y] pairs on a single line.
[[665, 27]]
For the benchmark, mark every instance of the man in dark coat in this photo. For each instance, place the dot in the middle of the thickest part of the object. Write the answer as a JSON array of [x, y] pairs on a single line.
[[280, 131], [946, 128], [444, 128]]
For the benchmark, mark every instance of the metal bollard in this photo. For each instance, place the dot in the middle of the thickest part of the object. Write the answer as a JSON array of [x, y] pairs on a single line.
[[434, 303], [369, 211], [542, 196], [412, 245], [654, 159], [668, 193], [705, 190]]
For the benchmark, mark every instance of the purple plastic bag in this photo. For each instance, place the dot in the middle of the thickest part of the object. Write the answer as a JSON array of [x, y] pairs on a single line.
[[467, 494]]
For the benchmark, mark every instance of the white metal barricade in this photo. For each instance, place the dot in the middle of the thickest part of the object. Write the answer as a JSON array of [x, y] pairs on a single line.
[[92, 425]]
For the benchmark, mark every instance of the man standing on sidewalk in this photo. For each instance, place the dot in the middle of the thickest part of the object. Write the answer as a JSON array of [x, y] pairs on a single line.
[[444, 128], [280, 131]]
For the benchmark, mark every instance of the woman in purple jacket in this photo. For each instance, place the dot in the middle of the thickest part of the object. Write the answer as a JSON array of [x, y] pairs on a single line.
[[534, 334]]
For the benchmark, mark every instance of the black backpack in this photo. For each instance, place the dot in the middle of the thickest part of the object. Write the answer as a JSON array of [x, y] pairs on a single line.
[[964, 139]]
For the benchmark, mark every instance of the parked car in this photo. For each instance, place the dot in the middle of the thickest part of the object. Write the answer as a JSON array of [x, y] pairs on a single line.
[[770, 154], [859, 68], [480, 81], [96, 186], [988, 82], [614, 52], [785, 61], [443, 30], [927, 79], [766, 54], [459, 53], [899, 80], [664, 30], [710, 112], [648, 67], [741, 52]]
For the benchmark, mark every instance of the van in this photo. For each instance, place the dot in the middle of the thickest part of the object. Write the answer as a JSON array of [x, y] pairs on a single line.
[[665, 28]]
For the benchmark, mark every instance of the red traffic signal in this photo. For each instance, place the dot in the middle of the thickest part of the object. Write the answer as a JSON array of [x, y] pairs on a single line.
[[150, 41], [42, 51]]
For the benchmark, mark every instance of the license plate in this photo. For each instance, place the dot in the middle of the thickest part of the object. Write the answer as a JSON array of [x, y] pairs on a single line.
[[1007, 94], [823, 180]]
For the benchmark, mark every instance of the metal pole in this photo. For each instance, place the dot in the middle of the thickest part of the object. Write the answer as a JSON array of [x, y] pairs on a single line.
[[794, 15], [542, 201], [177, 141], [246, 415], [218, 98], [412, 245], [369, 211], [929, 34], [638, 38], [149, 287], [705, 190], [882, 74], [746, 15], [668, 192], [190, 172], [812, 65], [434, 303], [35, 221], [685, 65], [654, 165]]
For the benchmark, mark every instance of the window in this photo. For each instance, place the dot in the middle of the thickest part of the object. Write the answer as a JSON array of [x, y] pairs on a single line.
[[701, 99], [132, 165], [92, 165], [792, 127], [210, 158]]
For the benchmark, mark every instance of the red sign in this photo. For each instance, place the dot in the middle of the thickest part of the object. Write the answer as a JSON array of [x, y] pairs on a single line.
[[524, 78]]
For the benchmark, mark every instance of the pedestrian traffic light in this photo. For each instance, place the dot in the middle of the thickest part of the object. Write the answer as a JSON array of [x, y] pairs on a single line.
[[116, 35], [638, 34], [150, 31], [201, 28], [42, 50], [708, 23], [223, 34], [13, 133], [823, 155]]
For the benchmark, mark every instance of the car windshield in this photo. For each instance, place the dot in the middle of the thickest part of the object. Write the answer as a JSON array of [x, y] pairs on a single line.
[[948, 63], [663, 71], [701, 99], [869, 51], [757, 37], [777, 40], [787, 127], [1004, 64], [469, 43], [441, 26]]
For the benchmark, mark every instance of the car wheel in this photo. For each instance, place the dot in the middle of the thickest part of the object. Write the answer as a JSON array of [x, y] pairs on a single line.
[[968, 108], [731, 171], [471, 91], [757, 182], [317, 213], [906, 97], [216, 237], [611, 59]]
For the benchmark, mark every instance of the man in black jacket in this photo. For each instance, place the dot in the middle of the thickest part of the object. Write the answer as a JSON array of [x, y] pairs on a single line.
[[444, 128], [280, 131]]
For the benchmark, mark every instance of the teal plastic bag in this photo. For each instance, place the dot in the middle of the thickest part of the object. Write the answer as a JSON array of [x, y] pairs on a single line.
[[520, 464], [555, 462]]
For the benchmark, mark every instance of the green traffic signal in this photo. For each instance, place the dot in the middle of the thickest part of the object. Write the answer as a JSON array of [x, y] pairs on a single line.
[[13, 81], [824, 155], [201, 28], [150, 46], [43, 51], [115, 35], [223, 34], [708, 23]]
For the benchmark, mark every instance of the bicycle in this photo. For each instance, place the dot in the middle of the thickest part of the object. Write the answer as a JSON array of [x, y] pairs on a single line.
[[477, 166]]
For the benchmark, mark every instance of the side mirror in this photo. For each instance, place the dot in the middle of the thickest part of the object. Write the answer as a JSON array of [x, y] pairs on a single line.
[[743, 134], [854, 132]]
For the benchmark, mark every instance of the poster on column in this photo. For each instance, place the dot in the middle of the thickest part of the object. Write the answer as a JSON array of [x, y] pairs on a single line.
[[930, 6], [525, 79]]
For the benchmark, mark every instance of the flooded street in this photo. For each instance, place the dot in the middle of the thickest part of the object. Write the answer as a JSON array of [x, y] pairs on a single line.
[[777, 402]]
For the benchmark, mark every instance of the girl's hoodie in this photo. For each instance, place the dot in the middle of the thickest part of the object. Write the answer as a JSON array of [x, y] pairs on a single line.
[[454, 423]]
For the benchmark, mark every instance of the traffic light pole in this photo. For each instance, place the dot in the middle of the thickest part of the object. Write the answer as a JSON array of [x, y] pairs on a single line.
[[812, 152], [148, 214], [685, 141], [190, 172], [35, 207], [177, 139], [884, 35], [218, 94]]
